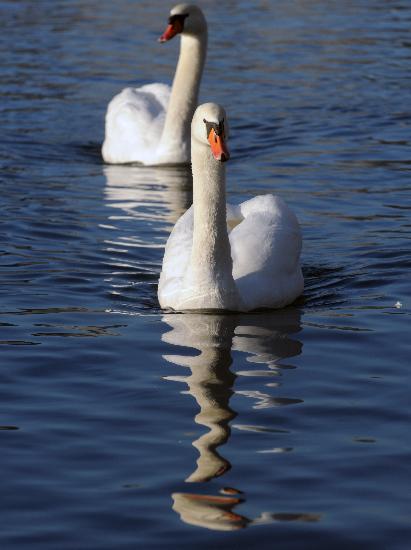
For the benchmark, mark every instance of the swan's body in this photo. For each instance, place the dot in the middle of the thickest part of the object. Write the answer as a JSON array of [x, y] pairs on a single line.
[[151, 124], [208, 266]]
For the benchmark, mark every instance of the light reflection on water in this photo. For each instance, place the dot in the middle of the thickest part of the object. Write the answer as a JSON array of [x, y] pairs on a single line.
[[148, 193]]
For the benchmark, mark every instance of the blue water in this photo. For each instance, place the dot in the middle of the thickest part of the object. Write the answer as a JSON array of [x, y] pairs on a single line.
[[124, 427]]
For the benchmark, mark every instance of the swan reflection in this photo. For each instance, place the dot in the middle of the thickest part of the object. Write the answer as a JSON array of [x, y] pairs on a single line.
[[148, 193], [210, 382], [267, 339], [264, 337], [217, 513], [211, 512], [143, 204]]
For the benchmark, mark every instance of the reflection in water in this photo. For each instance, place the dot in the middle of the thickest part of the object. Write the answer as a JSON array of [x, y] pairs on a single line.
[[216, 513], [265, 338], [210, 381], [143, 204], [148, 193], [212, 512]]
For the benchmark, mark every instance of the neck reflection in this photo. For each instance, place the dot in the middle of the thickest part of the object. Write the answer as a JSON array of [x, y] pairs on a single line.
[[267, 338], [210, 382]]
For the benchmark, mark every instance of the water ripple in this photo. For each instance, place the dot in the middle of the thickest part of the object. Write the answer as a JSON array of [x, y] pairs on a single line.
[[123, 426]]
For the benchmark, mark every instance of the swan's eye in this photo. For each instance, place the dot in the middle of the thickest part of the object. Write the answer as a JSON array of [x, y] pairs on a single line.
[[209, 127], [178, 18], [217, 127]]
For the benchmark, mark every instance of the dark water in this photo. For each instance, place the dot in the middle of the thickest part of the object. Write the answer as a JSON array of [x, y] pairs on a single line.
[[122, 427]]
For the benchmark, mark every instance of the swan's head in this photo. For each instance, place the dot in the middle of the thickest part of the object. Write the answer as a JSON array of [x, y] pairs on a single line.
[[184, 18], [210, 127]]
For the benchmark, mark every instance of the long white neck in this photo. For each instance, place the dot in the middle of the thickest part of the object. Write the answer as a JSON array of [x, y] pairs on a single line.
[[184, 95], [209, 278]]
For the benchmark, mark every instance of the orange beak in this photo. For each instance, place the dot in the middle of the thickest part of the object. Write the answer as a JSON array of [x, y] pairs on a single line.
[[171, 30], [218, 146]]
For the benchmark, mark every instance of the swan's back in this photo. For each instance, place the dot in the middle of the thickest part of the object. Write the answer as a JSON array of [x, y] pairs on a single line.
[[265, 247], [134, 123]]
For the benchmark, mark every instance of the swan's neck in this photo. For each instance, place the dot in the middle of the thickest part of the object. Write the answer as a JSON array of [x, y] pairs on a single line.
[[209, 276], [211, 247], [184, 93]]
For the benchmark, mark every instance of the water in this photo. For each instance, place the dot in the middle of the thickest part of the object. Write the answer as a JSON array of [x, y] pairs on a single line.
[[123, 427]]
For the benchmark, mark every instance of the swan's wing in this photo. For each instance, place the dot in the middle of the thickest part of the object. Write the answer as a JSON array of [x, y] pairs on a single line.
[[134, 122], [266, 247], [176, 259], [161, 92]]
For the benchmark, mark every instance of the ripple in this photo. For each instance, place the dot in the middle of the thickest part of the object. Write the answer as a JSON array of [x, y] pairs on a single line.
[[259, 429], [9, 428], [18, 343], [276, 450], [268, 517], [267, 373], [112, 389], [265, 401]]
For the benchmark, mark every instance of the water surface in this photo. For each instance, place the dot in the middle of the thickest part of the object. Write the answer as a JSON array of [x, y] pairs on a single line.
[[122, 426]]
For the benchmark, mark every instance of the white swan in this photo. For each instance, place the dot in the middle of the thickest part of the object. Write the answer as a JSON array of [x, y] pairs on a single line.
[[151, 124], [205, 267]]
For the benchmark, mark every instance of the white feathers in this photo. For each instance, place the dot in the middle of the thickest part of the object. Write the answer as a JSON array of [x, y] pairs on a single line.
[[151, 124], [134, 124], [265, 249], [225, 257]]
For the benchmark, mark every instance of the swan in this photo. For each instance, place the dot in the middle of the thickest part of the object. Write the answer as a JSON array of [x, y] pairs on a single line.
[[151, 124], [250, 265]]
